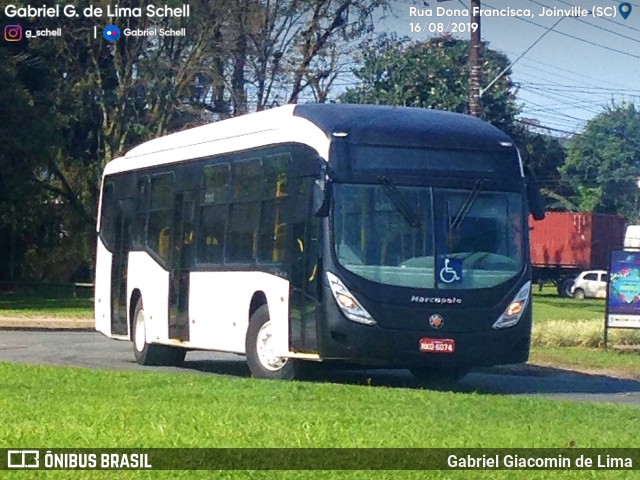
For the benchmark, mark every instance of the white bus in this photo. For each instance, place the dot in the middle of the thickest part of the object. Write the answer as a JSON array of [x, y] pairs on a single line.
[[371, 235]]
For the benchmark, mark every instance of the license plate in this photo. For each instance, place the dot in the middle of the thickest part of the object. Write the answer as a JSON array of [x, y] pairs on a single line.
[[437, 345]]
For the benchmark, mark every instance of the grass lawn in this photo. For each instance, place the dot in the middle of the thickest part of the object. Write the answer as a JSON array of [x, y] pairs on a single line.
[[48, 302], [56, 407], [548, 305], [561, 326], [610, 362]]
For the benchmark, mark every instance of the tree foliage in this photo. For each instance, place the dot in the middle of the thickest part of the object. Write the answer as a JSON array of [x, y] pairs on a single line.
[[435, 74], [432, 74], [603, 163], [544, 155], [74, 103]]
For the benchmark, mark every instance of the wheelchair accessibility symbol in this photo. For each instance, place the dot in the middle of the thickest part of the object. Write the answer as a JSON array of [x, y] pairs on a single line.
[[451, 270]]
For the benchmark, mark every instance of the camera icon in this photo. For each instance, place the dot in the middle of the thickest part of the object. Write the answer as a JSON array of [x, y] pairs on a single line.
[[13, 33]]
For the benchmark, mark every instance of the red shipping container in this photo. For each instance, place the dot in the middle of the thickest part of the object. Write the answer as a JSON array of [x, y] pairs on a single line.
[[575, 240]]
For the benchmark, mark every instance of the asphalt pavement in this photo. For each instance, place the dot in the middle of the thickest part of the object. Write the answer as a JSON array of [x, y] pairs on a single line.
[[72, 343]]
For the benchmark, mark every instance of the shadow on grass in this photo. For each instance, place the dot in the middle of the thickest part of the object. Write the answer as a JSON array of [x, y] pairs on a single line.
[[516, 380]]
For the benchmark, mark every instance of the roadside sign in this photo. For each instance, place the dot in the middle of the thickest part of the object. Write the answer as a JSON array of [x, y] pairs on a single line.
[[623, 291]]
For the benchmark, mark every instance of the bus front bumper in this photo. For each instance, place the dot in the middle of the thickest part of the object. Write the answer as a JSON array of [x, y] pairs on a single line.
[[377, 346]]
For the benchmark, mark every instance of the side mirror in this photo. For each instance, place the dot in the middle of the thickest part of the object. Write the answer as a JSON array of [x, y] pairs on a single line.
[[321, 203], [534, 198]]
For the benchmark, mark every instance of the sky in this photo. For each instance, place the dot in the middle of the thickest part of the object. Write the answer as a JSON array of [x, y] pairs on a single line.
[[571, 67], [573, 71]]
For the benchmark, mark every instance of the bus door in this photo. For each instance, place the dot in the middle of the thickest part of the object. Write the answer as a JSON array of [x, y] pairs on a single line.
[[305, 272], [119, 264], [181, 260]]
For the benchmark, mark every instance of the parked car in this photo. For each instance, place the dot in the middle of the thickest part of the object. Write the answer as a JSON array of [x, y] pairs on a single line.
[[590, 284]]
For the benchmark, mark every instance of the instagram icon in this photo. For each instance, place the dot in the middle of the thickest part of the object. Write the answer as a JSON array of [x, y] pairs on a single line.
[[13, 33]]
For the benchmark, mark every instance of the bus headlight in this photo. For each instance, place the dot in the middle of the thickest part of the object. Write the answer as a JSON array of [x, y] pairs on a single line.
[[347, 302], [516, 308]]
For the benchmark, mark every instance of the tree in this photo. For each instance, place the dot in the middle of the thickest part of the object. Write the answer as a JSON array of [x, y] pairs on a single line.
[[603, 163], [544, 155], [432, 74], [75, 103], [435, 74], [281, 49]]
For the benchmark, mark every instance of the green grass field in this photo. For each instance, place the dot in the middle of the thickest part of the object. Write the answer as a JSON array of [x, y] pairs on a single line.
[[549, 306], [612, 362], [55, 302], [56, 407], [562, 325]]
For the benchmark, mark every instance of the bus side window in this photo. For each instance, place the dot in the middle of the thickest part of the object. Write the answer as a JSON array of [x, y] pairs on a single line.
[[164, 239], [306, 228], [213, 205], [141, 213], [107, 215], [273, 222], [242, 237], [160, 209]]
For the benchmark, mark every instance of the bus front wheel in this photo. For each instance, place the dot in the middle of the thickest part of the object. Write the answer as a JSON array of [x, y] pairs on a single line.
[[259, 348], [149, 354]]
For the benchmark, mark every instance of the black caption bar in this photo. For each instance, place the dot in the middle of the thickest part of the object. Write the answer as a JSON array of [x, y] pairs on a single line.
[[321, 459]]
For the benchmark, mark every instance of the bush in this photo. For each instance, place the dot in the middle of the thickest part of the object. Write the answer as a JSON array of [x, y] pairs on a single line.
[[581, 333]]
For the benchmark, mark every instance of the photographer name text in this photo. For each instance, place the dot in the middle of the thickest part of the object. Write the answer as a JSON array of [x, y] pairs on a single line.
[[111, 11]]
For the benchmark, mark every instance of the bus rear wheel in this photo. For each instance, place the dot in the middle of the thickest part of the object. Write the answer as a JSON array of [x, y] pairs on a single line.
[[149, 354], [259, 348]]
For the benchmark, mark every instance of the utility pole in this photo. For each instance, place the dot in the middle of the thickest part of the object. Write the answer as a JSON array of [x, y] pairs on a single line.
[[475, 62]]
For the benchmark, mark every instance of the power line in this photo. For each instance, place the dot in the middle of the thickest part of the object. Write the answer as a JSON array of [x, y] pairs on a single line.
[[625, 1], [555, 112], [557, 97], [588, 23], [533, 124], [580, 76], [623, 25], [580, 89], [622, 52]]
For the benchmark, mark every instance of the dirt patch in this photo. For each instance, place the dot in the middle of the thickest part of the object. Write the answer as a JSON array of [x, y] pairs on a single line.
[[46, 323]]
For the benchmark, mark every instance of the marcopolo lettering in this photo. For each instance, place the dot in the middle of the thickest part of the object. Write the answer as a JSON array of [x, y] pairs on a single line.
[[437, 300]]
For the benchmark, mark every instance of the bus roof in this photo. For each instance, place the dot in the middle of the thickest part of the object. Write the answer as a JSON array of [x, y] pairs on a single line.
[[314, 125], [404, 126]]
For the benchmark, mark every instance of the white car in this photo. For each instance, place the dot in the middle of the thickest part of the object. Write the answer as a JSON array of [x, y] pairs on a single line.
[[590, 284]]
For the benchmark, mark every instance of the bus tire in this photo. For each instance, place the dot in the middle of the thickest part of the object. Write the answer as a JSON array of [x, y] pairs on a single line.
[[259, 350], [439, 375], [149, 354]]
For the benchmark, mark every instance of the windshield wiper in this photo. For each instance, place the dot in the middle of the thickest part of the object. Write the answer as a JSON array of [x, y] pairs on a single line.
[[399, 202], [466, 206]]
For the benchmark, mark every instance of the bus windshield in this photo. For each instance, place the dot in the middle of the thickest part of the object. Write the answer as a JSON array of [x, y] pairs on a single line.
[[426, 237]]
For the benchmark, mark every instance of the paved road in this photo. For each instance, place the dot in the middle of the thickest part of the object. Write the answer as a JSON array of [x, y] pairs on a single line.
[[92, 350]]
